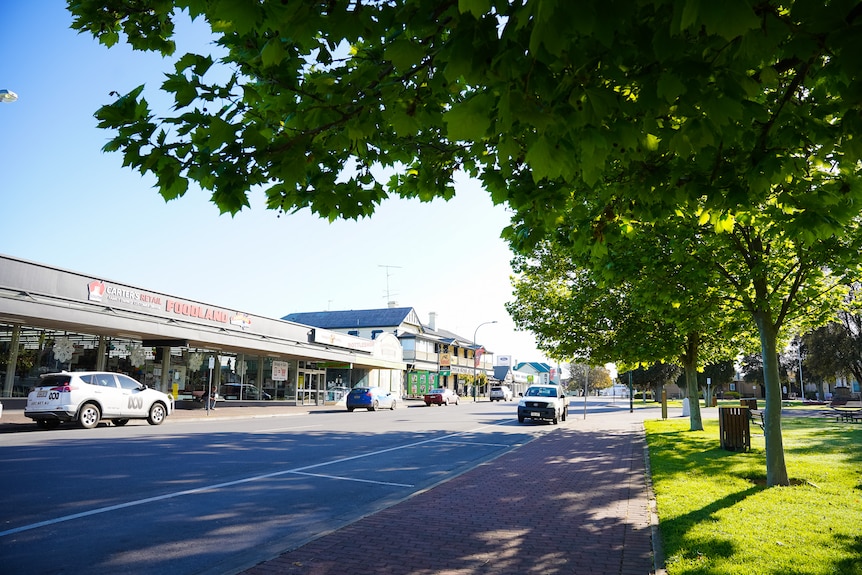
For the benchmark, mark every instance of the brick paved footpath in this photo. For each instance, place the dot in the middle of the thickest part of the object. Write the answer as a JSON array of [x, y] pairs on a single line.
[[573, 501]]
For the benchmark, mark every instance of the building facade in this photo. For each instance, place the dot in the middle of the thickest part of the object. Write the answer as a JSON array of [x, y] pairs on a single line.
[[433, 357], [53, 319]]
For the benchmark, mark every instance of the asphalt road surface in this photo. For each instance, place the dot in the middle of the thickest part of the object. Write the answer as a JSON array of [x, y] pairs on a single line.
[[200, 497]]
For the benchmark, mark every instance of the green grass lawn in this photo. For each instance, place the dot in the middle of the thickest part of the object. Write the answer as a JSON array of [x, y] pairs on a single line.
[[717, 517]]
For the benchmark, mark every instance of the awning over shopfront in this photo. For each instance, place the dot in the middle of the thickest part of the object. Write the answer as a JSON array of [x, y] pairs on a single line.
[[36, 295]]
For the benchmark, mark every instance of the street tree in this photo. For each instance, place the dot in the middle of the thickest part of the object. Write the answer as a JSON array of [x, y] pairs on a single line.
[[823, 361], [835, 349], [718, 374], [585, 377], [731, 111], [644, 306], [653, 378]]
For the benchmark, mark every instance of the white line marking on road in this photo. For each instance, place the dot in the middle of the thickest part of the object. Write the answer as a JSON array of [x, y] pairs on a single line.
[[277, 429], [176, 494], [475, 443], [353, 479]]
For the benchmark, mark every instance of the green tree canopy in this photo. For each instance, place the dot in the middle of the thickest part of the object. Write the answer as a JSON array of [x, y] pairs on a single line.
[[743, 115]]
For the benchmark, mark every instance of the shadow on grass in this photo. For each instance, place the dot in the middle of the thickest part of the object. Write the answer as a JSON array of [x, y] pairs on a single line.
[[713, 518]]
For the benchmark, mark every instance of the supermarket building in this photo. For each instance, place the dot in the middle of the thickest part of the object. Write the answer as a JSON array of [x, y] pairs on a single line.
[[53, 319]]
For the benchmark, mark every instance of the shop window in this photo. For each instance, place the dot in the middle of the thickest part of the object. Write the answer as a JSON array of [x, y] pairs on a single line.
[[375, 333], [353, 332]]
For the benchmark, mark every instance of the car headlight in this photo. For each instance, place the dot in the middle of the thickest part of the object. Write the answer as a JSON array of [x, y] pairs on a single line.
[[521, 403]]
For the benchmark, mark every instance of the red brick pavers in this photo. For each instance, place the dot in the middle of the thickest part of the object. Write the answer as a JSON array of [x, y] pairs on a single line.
[[573, 501]]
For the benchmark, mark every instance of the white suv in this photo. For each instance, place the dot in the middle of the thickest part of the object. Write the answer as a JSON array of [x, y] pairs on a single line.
[[91, 396], [500, 393], [546, 402]]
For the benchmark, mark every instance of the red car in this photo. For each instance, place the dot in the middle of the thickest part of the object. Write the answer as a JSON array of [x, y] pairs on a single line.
[[442, 396]]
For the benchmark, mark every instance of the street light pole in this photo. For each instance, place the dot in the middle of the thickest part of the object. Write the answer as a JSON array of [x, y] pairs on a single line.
[[475, 359], [801, 385]]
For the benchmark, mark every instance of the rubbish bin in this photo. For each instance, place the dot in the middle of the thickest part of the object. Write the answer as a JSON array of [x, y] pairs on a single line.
[[733, 429]]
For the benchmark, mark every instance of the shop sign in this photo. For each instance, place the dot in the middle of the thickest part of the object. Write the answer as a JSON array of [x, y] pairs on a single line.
[[279, 370], [124, 297]]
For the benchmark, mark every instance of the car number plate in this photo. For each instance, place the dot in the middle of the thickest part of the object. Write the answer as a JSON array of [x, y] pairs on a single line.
[[535, 414], [41, 393]]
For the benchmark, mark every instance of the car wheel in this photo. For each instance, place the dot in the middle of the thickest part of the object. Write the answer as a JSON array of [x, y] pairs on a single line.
[[457, 401], [89, 416], [521, 419], [447, 402], [350, 409], [157, 414], [373, 407], [565, 414], [120, 422], [556, 419], [427, 404], [47, 423], [393, 406]]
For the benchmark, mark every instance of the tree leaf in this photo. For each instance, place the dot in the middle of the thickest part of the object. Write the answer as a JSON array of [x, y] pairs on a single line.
[[469, 120]]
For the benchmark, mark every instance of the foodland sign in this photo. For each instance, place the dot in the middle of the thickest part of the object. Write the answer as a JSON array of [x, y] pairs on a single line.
[[127, 298]]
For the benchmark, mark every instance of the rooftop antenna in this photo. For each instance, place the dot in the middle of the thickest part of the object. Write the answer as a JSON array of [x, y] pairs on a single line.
[[388, 293]]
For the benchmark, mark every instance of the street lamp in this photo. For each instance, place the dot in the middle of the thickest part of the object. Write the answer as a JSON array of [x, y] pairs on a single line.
[[475, 359], [8, 96]]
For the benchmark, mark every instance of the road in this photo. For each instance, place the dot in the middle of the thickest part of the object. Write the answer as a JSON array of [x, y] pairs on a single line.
[[201, 497]]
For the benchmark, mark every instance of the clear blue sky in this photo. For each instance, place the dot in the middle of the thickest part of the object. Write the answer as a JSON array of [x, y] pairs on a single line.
[[68, 204]]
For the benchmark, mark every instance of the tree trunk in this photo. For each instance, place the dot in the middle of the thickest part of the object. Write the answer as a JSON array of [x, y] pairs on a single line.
[[776, 470], [689, 363]]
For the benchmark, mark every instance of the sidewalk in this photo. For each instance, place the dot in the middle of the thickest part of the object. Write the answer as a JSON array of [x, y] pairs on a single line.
[[575, 501]]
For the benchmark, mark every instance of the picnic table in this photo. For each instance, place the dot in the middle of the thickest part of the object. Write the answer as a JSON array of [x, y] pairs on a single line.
[[847, 415]]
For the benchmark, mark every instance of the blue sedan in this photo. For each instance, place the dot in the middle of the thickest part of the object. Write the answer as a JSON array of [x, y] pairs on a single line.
[[371, 398]]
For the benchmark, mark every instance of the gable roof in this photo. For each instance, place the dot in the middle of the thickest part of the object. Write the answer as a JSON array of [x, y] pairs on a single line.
[[536, 366], [357, 319]]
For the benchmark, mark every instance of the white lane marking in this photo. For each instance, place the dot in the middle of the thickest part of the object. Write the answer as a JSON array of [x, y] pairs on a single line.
[[220, 485], [475, 443], [353, 479], [284, 429]]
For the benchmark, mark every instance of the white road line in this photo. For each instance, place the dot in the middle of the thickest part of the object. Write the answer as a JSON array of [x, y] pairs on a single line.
[[474, 443], [353, 479], [175, 494], [283, 429]]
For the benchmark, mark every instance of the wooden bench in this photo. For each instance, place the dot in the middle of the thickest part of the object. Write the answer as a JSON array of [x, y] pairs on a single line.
[[733, 429], [756, 416]]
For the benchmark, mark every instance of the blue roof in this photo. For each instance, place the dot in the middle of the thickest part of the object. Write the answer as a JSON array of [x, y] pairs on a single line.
[[351, 319]]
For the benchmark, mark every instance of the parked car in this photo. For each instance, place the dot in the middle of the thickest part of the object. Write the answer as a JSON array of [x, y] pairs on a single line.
[[232, 391], [441, 396], [92, 396], [543, 402], [371, 398], [501, 393]]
